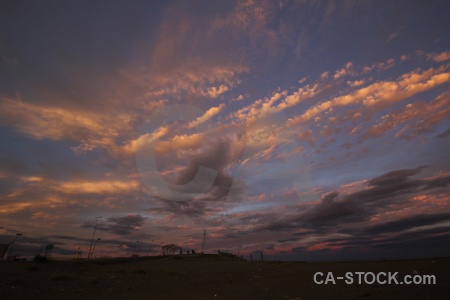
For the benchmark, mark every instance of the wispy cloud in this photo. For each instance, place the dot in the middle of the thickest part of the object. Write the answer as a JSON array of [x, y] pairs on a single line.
[[207, 116]]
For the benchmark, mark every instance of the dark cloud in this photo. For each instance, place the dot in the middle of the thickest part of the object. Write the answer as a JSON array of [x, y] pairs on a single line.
[[408, 223], [386, 189], [299, 249], [68, 238], [293, 239], [419, 243], [333, 210], [280, 225], [125, 225], [411, 242], [444, 134], [185, 208], [438, 182], [395, 177], [270, 247]]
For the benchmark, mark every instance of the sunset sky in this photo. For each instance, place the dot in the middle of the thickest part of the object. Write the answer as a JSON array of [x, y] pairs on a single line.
[[303, 129]]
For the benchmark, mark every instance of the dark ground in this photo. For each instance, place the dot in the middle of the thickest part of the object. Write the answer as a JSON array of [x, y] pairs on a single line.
[[212, 278]]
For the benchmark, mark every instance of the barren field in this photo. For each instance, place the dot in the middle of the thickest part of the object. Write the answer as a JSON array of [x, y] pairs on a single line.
[[211, 278]]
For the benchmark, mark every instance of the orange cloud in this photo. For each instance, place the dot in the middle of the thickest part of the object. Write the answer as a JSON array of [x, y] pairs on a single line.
[[263, 107], [180, 142], [381, 66], [427, 115], [382, 92], [215, 92], [32, 179], [96, 187], [206, 116], [308, 136], [440, 199], [10, 208], [324, 75], [240, 98], [92, 130], [130, 147], [344, 71], [356, 83], [439, 57], [47, 122]]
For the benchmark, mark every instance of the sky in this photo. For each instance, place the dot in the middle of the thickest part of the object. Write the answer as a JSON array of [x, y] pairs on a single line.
[[308, 130]]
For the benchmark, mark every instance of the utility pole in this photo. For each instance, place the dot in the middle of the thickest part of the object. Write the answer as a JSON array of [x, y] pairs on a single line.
[[92, 241], [204, 239]]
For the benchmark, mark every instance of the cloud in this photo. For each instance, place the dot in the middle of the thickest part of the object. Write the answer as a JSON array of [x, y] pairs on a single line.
[[130, 147], [206, 116], [126, 225], [439, 57], [240, 98], [394, 178], [379, 66], [324, 75], [215, 92], [9, 208], [331, 210], [444, 134], [378, 218], [388, 190], [180, 142], [90, 129], [308, 136], [52, 201], [356, 83], [392, 36], [96, 187], [81, 186], [383, 92], [181, 208], [279, 101], [344, 71], [416, 118], [407, 223], [42, 122]]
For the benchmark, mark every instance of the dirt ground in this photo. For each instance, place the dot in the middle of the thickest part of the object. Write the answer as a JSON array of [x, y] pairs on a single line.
[[195, 278]]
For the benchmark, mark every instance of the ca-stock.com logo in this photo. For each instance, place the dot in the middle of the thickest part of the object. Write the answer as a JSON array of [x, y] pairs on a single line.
[[260, 133]]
